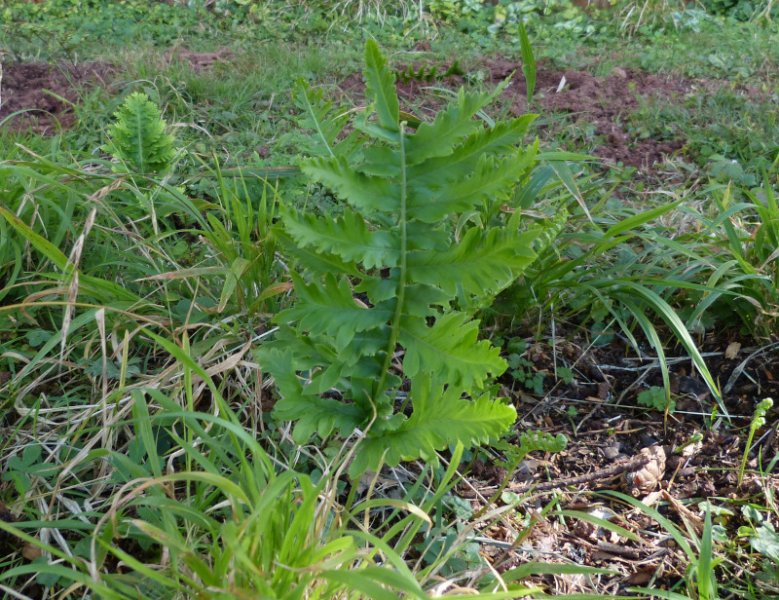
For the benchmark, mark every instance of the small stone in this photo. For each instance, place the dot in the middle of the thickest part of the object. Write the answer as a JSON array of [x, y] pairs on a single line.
[[619, 72]]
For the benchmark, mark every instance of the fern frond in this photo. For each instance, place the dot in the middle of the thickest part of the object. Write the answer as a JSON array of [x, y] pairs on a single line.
[[449, 128], [451, 350], [347, 237], [381, 281], [328, 308], [380, 85], [361, 191], [489, 179], [320, 116], [440, 419], [483, 263], [315, 261], [316, 415], [503, 138], [137, 136]]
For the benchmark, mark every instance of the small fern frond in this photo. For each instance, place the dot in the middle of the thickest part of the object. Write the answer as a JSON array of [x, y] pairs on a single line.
[[483, 262], [347, 237], [137, 137], [318, 115], [440, 419], [450, 348], [380, 86]]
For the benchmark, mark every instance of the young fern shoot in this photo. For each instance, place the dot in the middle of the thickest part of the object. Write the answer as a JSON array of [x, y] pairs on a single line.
[[381, 337]]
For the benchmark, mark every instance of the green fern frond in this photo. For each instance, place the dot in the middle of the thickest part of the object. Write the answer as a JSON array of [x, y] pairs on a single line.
[[329, 308], [347, 237], [420, 233], [450, 348], [483, 262], [363, 192], [441, 418], [449, 128], [380, 86], [137, 137], [320, 116]]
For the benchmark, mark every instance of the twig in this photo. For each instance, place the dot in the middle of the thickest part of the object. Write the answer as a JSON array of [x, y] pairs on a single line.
[[630, 465]]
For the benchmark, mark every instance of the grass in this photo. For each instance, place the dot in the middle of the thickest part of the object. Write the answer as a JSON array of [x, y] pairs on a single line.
[[139, 453]]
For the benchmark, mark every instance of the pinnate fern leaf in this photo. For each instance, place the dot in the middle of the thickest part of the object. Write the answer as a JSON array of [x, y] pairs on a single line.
[[329, 308], [439, 420], [450, 348], [137, 137], [363, 192], [421, 232], [348, 237], [450, 126], [483, 262], [380, 85]]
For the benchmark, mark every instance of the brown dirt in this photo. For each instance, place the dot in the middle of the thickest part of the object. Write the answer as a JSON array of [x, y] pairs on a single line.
[[602, 101], [46, 93], [199, 61], [608, 427]]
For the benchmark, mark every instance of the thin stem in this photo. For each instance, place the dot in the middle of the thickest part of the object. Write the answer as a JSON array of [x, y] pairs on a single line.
[[401, 290]]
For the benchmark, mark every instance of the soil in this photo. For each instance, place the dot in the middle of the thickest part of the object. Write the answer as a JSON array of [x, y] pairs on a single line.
[[598, 413], [46, 93], [199, 61], [601, 101]]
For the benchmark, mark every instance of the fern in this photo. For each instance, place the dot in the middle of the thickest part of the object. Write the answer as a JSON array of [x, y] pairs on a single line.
[[387, 292], [137, 137]]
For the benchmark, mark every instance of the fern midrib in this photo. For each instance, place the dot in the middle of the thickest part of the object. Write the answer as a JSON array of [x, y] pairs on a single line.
[[401, 295], [139, 120]]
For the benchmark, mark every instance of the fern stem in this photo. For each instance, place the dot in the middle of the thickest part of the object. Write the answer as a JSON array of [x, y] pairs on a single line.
[[401, 293]]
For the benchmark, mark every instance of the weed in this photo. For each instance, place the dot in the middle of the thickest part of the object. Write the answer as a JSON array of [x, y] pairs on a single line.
[[655, 398], [758, 420]]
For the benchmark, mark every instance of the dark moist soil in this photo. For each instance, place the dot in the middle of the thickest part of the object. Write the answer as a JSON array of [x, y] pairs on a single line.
[[598, 412], [46, 93], [601, 101]]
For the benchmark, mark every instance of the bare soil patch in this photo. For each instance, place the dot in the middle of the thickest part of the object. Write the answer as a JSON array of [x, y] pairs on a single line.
[[602, 101], [598, 413], [46, 94], [199, 61]]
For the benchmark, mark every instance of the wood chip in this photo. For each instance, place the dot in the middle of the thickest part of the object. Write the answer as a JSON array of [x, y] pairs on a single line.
[[647, 478], [732, 350]]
